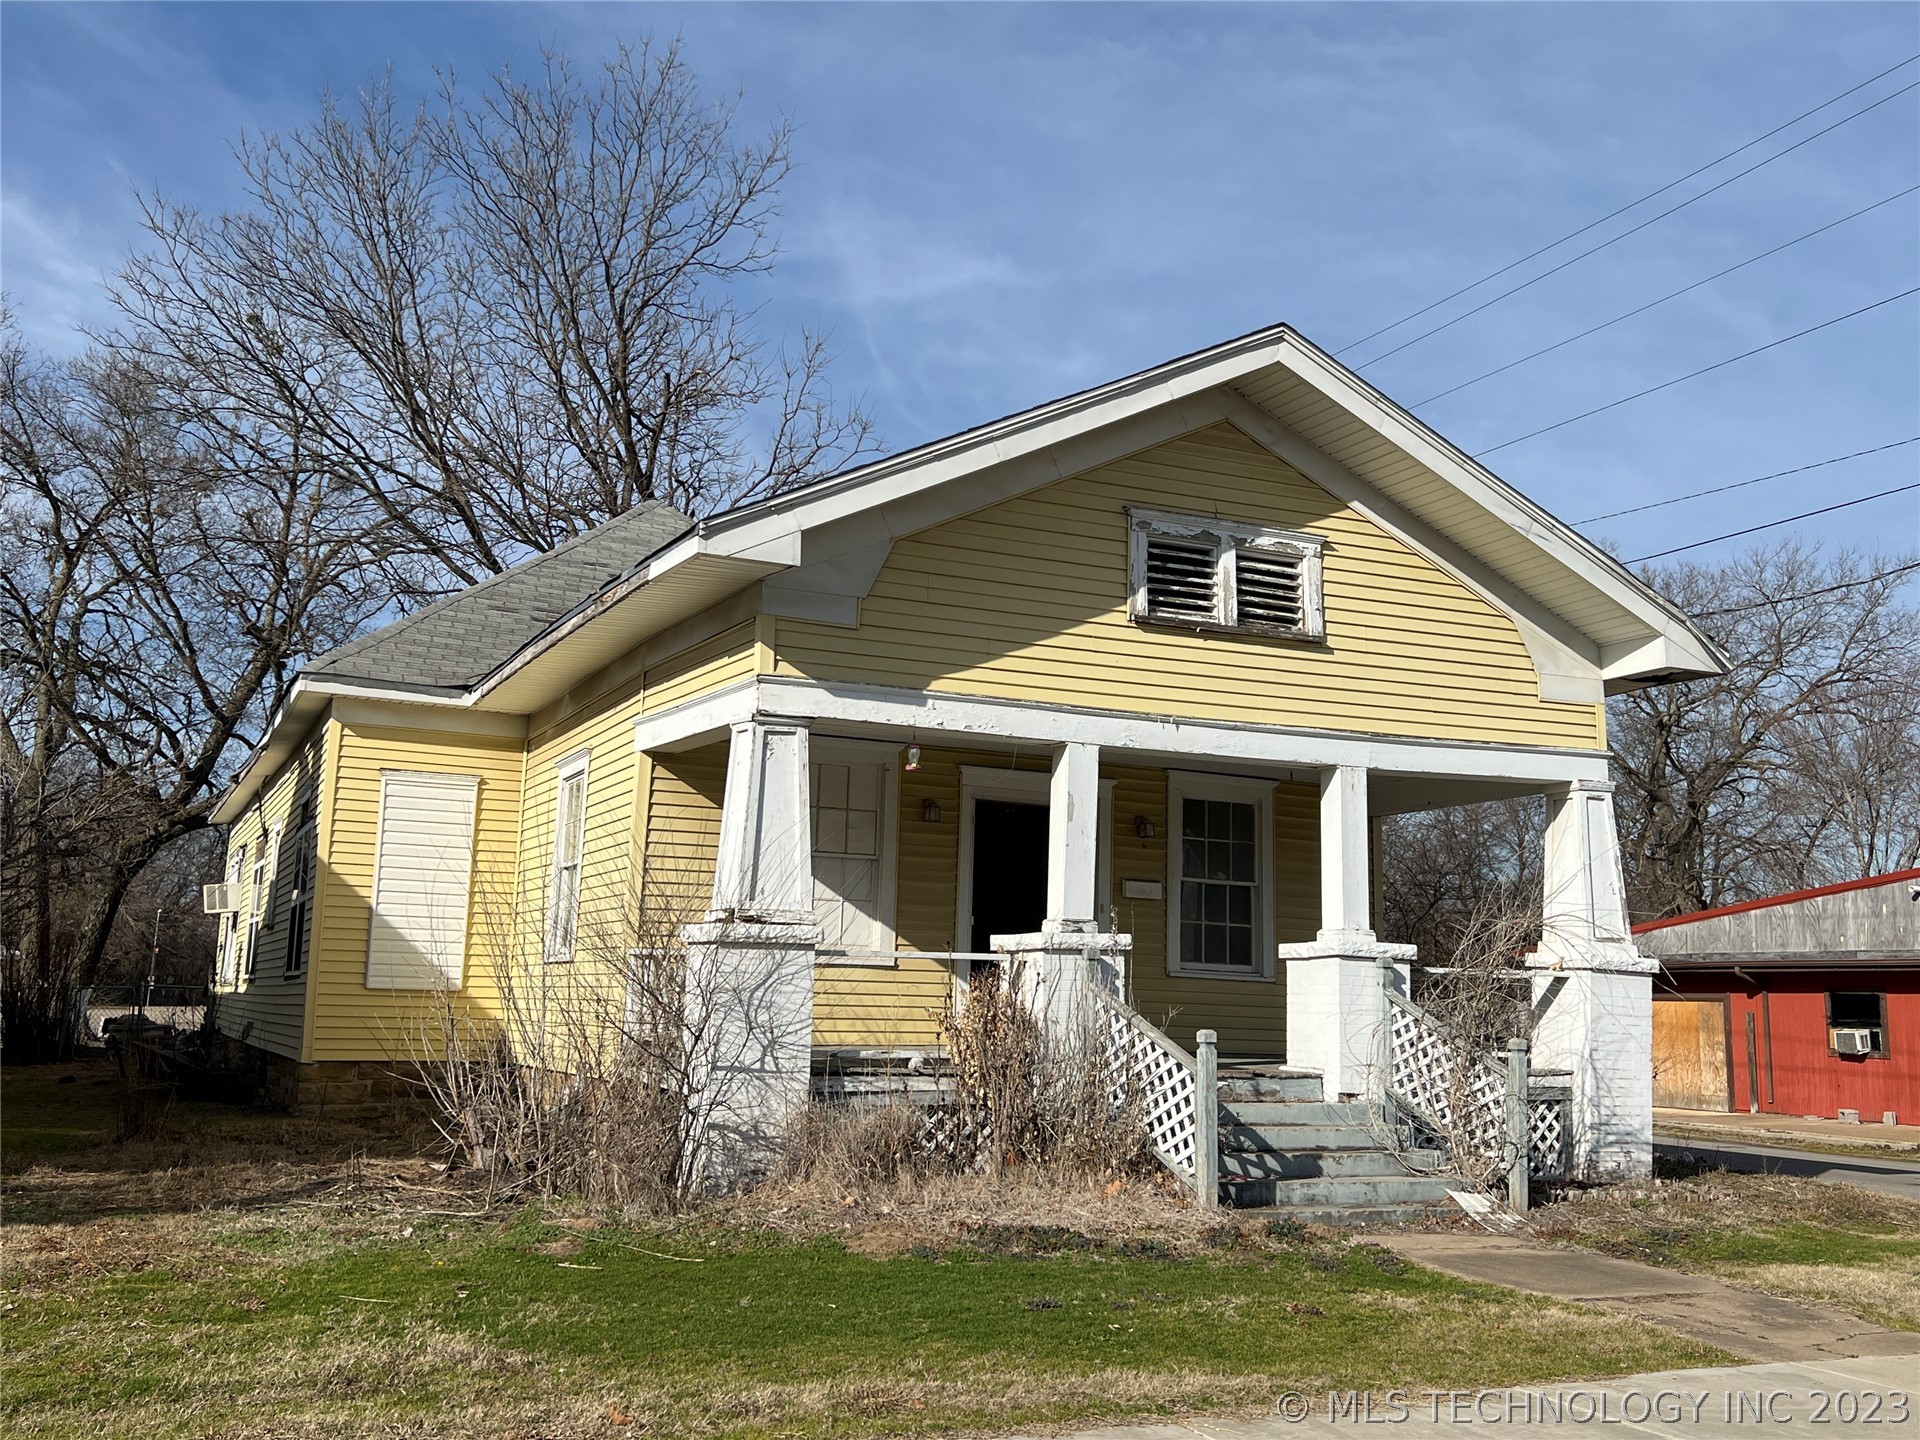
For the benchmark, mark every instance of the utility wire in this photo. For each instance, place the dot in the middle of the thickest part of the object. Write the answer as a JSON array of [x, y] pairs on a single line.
[[1634, 230], [1571, 234], [1808, 594], [1695, 374], [1673, 295], [1742, 484], [1776, 524]]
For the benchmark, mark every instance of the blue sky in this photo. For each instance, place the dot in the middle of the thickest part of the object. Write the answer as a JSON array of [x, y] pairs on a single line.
[[997, 204]]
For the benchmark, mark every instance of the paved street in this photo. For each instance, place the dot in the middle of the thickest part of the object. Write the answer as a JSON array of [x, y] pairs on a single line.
[[1891, 1177], [1687, 1404]]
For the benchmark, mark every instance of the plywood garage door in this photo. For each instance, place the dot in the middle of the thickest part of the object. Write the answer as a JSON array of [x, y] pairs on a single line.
[[1690, 1054]]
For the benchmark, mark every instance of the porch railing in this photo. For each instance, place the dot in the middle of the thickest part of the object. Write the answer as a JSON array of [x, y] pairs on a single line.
[[1177, 1092], [1495, 1111]]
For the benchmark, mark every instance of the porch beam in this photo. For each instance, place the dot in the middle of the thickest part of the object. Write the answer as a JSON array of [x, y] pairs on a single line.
[[887, 711]]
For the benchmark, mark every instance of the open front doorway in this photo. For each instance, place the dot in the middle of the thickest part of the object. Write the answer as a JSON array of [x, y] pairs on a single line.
[[1009, 870]]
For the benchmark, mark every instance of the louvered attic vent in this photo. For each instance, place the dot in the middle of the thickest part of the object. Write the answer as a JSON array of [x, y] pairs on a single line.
[[1183, 580], [1206, 574]]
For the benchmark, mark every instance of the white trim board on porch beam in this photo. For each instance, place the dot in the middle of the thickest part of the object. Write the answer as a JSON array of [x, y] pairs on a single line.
[[881, 710]]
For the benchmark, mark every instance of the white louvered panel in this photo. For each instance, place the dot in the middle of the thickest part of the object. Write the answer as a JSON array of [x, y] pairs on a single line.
[[423, 873], [1270, 589], [1182, 579]]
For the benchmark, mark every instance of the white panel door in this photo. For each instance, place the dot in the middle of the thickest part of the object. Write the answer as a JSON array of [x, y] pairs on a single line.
[[849, 824], [423, 872]]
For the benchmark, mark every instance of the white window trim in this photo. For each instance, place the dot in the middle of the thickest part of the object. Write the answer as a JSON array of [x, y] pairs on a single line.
[[229, 957], [1024, 787], [1228, 536], [266, 867], [306, 853], [869, 752], [1185, 785], [574, 767]]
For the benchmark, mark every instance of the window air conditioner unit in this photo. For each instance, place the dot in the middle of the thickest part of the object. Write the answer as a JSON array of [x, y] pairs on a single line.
[[1852, 1041], [218, 899]]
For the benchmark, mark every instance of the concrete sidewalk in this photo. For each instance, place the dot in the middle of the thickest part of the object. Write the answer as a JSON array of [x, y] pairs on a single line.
[[1712, 1404], [1743, 1322]]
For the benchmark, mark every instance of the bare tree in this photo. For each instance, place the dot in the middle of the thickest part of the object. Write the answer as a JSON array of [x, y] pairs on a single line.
[[154, 595], [505, 317], [1447, 873], [1728, 787]]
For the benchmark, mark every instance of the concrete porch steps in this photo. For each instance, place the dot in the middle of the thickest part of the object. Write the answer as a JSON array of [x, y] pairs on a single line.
[[1285, 1148]]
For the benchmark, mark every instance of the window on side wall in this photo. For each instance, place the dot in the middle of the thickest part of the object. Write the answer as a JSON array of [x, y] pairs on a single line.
[[304, 861], [1189, 572], [231, 922], [569, 844], [1220, 877], [1856, 1023], [259, 894]]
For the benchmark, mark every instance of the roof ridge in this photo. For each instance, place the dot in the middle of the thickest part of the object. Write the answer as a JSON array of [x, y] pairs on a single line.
[[1768, 902]]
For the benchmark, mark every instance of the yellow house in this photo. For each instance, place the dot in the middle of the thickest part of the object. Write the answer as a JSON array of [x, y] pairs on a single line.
[[1120, 684]]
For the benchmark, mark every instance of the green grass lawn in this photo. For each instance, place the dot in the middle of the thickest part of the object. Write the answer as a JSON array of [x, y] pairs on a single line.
[[522, 1327], [244, 1274]]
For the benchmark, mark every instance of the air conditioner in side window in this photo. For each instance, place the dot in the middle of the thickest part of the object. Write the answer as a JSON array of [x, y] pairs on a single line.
[[1851, 1041], [219, 899]]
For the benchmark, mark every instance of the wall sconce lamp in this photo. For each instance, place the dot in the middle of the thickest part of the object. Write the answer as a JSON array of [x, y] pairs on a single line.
[[930, 811], [913, 757], [1143, 827]]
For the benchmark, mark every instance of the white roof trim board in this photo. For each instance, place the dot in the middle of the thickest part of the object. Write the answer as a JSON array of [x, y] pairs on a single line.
[[1585, 617]]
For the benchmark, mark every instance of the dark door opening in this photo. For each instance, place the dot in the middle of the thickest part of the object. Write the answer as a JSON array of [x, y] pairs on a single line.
[[1009, 870]]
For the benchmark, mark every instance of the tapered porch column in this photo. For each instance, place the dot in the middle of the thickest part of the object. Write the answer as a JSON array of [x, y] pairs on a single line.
[[1593, 991], [1337, 983], [1061, 965], [750, 962]]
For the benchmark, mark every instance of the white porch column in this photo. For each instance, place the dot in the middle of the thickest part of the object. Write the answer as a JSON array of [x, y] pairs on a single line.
[[1593, 992], [1073, 838], [1336, 984], [1060, 967], [750, 963]]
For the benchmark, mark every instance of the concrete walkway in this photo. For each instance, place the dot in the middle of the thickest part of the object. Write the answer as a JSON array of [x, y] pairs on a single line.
[[1743, 1322], [1685, 1404], [1890, 1176]]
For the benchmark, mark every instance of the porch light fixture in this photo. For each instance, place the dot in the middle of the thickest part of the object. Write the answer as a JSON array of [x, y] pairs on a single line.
[[1143, 827], [913, 757], [930, 810]]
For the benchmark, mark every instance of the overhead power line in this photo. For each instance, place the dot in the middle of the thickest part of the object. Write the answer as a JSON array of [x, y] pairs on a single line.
[[1776, 524], [1671, 295], [1631, 204], [1742, 484], [1695, 374], [1910, 566], [1634, 230]]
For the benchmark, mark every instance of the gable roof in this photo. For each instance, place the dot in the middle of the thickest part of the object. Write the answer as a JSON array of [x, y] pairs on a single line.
[[456, 642], [1589, 623]]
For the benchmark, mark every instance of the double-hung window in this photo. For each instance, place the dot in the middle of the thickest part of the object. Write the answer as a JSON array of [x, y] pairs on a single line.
[[258, 894], [569, 842], [1195, 573], [1220, 876], [306, 842], [234, 919]]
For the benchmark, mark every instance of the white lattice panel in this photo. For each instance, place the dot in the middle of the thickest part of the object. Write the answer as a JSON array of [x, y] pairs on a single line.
[[1143, 1068], [1463, 1096], [1547, 1138]]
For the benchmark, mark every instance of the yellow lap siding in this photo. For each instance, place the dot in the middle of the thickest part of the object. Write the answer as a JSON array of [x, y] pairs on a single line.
[[269, 1009], [1027, 600], [348, 1020], [724, 660]]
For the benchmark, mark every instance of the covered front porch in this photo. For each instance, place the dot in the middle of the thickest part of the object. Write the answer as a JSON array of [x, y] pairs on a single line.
[[872, 850]]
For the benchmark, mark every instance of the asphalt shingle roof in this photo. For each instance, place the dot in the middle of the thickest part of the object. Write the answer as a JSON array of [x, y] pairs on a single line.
[[454, 643]]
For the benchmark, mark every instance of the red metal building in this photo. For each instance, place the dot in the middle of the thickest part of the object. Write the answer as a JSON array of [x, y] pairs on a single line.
[[1799, 1004]]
